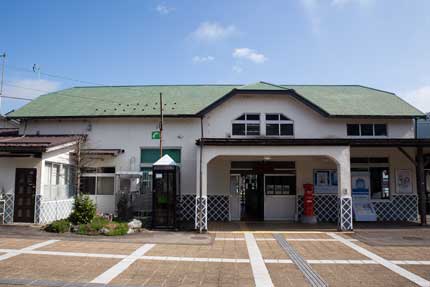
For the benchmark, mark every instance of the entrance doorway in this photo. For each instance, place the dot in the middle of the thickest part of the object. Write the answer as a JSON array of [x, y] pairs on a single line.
[[25, 193], [252, 198]]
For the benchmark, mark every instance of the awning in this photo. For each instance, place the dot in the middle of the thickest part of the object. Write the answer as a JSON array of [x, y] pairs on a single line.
[[376, 142], [109, 152], [35, 144]]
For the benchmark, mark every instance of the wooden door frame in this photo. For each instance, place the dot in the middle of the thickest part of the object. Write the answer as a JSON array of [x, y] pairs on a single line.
[[34, 198]]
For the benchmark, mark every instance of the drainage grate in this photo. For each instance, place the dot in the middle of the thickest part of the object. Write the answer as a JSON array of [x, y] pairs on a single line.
[[314, 278]]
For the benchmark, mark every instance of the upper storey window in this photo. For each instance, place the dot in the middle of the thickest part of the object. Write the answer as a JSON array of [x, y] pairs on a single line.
[[246, 125], [366, 130], [278, 125]]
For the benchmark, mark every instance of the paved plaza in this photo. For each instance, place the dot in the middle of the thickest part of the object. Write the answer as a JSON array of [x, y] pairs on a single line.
[[231, 258]]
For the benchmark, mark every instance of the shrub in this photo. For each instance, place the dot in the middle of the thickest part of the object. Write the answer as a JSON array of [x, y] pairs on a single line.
[[117, 228], [122, 206], [98, 223], [58, 226], [84, 210]]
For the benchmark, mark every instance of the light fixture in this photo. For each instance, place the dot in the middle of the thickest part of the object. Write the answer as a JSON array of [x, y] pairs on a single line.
[[267, 158]]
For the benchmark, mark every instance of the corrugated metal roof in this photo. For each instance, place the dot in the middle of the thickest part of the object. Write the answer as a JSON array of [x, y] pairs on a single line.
[[188, 100]]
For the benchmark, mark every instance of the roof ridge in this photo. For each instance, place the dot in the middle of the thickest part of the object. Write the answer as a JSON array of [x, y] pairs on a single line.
[[160, 85]]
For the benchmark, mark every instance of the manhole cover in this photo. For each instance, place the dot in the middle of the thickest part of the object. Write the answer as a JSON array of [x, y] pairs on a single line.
[[198, 237], [412, 238]]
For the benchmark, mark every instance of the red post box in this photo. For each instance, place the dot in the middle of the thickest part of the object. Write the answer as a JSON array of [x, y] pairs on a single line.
[[308, 199]]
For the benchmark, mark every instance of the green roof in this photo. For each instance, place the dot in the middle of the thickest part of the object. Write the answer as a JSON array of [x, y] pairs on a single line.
[[189, 100]]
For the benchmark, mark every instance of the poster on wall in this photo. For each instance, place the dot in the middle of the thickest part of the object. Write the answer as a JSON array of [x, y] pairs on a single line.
[[360, 183], [325, 181], [404, 181]]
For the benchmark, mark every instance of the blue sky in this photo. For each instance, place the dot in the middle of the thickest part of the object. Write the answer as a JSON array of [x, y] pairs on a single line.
[[380, 43]]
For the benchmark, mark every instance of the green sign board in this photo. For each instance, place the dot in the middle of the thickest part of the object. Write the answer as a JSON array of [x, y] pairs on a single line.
[[155, 135]]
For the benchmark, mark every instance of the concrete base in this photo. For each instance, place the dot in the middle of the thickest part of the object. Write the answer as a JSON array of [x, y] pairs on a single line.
[[309, 219]]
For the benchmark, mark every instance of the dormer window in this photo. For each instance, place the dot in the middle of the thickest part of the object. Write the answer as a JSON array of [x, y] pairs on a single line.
[[246, 125], [278, 125]]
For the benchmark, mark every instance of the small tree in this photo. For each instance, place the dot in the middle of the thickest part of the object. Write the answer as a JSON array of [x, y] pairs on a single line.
[[84, 210]]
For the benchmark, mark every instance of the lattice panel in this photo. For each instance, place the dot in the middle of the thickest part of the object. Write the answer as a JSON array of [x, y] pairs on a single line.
[[9, 206], [201, 213], [188, 207], [399, 208], [49, 211], [218, 207], [345, 216], [325, 207]]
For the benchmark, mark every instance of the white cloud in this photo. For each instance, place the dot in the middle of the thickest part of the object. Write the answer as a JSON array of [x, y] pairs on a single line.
[[249, 54], [29, 88], [419, 98], [163, 9], [237, 69], [212, 31], [311, 9], [203, 59]]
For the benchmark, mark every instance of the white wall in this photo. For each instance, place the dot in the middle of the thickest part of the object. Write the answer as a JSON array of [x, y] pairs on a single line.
[[132, 134], [307, 122], [8, 168]]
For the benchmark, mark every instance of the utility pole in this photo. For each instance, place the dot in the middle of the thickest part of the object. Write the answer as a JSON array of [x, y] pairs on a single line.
[[161, 125], [3, 56]]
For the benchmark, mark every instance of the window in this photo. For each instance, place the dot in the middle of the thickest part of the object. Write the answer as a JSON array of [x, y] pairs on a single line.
[[246, 125], [366, 130], [278, 125], [98, 181], [280, 184], [59, 181]]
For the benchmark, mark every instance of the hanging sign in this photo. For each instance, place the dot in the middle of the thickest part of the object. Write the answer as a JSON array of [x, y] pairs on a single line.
[[155, 135]]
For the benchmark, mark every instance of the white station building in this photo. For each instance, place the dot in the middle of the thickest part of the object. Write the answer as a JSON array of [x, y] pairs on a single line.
[[244, 152]]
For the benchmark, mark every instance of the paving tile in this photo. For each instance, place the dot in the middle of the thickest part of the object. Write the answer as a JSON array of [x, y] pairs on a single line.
[[326, 250], [306, 235], [229, 235], [219, 249], [92, 247], [286, 275], [162, 273], [15, 243], [271, 250], [399, 252], [54, 268], [360, 275], [420, 270]]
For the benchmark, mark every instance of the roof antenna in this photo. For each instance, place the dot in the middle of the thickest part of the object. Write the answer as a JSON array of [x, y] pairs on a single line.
[[36, 69], [2, 76]]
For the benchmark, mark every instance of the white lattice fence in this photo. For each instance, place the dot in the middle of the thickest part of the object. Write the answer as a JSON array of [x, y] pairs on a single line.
[[9, 205], [217, 207], [325, 207], [345, 214], [48, 211], [201, 213], [399, 208]]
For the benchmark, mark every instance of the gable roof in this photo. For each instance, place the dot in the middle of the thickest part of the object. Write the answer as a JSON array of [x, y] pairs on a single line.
[[194, 100]]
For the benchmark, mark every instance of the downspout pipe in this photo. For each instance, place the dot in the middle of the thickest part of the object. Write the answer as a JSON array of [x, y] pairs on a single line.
[[201, 173]]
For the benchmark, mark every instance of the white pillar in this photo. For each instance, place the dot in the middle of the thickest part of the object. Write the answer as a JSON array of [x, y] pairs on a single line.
[[201, 183], [344, 190]]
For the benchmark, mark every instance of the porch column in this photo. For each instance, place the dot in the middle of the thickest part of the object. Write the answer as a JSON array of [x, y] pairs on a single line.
[[201, 222], [344, 191], [421, 186]]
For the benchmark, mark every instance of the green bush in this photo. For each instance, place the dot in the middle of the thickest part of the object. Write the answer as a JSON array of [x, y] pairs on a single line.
[[84, 210], [58, 226], [119, 228], [98, 223]]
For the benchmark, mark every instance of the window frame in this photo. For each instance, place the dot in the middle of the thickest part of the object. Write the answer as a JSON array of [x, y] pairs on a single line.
[[246, 122], [97, 175], [292, 174], [360, 131], [278, 122]]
